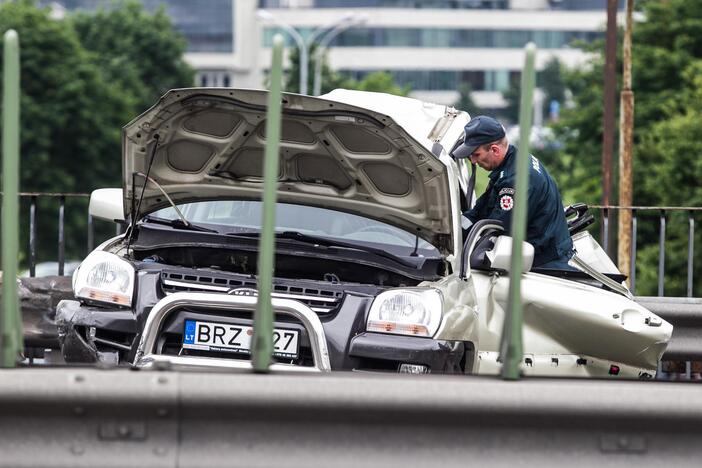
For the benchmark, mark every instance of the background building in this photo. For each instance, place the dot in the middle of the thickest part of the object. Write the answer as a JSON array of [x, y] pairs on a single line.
[[433, 45]]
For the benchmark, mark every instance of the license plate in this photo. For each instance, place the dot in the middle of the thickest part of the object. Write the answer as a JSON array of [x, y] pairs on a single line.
[[213, 336]]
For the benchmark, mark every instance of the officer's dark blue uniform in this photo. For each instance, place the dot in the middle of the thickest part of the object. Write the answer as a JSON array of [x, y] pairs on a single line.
[[547, 228]]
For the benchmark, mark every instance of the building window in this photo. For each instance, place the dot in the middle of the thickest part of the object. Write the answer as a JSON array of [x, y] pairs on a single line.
[[476, 79], [206, 24], [446, 80], [438, 37]]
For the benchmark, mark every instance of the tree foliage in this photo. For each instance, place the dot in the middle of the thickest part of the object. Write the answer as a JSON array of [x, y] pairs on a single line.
[[137, 51], [80, 83], [666, 66], [70, 117], [330, 79], [465, 100], [550, 80], [379, 82]]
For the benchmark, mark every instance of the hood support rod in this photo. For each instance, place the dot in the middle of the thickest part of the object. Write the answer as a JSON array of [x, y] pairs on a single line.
[[135, 213]]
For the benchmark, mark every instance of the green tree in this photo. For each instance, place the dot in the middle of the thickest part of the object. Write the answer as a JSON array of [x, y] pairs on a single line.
[[330, 79], [667, 56], [552, 83], [70, 121], [70, 116], [511, 97], [379, 82], [139, 52], [465, 100], [550, 80], [78, 90]]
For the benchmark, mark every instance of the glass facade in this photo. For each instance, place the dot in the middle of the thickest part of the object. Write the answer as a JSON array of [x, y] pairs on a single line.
[[441, 80], [206, 24], [454, 4], [581, 5], [439, 37]]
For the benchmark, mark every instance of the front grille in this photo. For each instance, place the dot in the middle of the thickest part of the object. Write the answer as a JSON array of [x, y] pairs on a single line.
[[320, 300]]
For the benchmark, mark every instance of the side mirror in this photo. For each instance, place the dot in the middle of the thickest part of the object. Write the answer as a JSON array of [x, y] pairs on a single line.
[[500, 255], [107, 204]]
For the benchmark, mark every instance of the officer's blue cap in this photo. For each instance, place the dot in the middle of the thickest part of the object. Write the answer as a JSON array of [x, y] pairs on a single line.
[[479, 131]]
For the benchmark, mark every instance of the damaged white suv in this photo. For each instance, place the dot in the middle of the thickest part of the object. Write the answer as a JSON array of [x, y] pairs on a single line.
[[372, 270]]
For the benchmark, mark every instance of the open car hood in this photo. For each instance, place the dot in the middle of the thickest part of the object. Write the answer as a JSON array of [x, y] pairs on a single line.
[[210, 145]]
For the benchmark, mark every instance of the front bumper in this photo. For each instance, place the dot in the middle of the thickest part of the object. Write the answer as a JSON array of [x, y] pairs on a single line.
[[336, 341], [147, 356], [78, 326], [379, 351]]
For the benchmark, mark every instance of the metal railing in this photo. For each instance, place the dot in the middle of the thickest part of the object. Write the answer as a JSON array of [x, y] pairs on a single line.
[[61, 234], [662, 215], [32, 200]]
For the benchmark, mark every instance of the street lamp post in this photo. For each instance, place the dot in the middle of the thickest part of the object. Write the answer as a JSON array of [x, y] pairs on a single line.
[[324, 43], [336, 27], [266, 16]]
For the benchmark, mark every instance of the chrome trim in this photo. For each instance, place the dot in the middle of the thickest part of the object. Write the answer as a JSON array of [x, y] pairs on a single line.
[[303, 297], [208, 287], [162, 362], [229, 288], [146, 358], [601, 278]]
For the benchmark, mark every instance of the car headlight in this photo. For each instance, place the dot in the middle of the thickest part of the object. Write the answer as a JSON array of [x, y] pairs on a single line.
[[104, 277], [415, 312]]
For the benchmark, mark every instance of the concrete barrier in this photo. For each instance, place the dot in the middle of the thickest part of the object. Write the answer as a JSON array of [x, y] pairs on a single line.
[[86, 417]]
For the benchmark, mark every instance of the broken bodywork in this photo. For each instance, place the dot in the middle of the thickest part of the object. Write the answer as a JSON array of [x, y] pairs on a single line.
[[373, 270]]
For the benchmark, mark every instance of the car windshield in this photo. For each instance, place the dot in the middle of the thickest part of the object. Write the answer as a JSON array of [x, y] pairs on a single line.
[[245, 216]]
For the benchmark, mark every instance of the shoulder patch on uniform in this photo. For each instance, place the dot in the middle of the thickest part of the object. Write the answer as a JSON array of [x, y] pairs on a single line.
[[506, 202], [535, 164], [507, 190]]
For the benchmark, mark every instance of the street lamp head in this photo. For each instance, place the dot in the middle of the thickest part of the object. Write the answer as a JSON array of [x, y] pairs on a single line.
[[264, 15], [353, 18], [361, 19]]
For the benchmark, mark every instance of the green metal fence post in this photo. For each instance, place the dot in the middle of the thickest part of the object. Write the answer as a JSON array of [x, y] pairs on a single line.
[[11, 344], [262, 349], [511, 351]]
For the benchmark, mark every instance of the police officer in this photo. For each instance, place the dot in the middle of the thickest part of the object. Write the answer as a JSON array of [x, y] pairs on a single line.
[[486, 145]]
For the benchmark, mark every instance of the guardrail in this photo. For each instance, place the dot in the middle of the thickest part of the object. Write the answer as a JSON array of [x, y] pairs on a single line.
[[88, 417], [661, 214]]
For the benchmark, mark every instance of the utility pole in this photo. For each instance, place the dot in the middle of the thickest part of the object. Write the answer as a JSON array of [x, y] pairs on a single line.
[[511, 342], [610, 82], [262, 342], [626, 143], [11, 340]]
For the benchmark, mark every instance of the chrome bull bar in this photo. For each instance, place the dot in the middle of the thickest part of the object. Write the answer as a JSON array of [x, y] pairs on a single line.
[[146, 358]]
